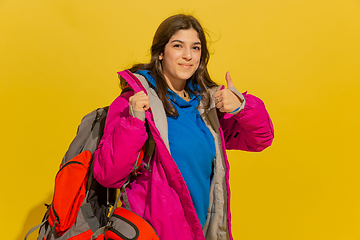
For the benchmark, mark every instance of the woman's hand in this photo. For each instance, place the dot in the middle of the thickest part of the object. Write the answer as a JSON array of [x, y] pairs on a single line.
[[225, 99], [139, 101]]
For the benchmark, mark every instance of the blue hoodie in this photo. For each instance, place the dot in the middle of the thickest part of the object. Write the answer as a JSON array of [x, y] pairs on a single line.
[[192, 148]]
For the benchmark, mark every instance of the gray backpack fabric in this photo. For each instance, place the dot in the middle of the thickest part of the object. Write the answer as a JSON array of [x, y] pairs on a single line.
[[98, 199], [88, 134]]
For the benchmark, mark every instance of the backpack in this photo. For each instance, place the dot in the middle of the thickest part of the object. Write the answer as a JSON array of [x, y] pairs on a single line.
[[81, 207]]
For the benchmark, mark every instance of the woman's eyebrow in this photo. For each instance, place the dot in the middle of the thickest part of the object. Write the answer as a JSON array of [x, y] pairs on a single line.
[[176, 40]]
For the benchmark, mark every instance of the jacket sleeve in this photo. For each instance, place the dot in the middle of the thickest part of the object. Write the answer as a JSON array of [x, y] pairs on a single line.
[[123, 138], [251, 129]]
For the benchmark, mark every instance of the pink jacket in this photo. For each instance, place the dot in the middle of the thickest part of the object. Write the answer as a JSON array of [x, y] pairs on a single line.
[[161, 196]]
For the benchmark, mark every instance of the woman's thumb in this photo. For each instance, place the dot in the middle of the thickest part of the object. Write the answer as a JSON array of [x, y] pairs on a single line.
[[229, 82]]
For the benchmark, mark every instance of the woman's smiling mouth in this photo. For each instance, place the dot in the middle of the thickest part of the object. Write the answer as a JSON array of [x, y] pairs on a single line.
[[184, 65]]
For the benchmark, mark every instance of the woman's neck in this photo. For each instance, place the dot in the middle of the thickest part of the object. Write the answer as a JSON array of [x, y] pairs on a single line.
[[177, 87]]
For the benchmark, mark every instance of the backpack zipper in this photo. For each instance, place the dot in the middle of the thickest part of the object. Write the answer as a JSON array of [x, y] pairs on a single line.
[[57, 219], [68, 163]]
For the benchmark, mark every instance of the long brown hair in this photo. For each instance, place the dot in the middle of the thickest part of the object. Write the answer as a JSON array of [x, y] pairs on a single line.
[[162, 36]]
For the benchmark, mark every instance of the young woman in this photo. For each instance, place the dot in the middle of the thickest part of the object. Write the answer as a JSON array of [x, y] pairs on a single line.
[[185, 194]]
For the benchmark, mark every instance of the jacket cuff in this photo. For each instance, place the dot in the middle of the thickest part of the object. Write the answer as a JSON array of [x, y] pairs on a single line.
[[138, 114], [243, 101]]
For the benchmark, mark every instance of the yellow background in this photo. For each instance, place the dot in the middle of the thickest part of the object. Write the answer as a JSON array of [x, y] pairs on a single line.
[[58, 61]]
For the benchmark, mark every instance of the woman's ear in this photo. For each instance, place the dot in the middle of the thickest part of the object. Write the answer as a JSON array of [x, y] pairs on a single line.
[[161, 56]]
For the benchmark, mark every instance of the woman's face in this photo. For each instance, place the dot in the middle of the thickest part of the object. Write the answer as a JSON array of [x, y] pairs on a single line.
[[181, 58]]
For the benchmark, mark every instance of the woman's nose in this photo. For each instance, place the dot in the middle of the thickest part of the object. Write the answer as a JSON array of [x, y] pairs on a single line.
[[187, 54]]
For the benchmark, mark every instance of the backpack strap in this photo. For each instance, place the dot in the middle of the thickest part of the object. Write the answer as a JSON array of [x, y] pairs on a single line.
[[97, 130], [34, 228]]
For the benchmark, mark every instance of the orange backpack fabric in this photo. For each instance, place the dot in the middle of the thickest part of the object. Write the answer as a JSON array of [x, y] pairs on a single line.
[[69, 194]]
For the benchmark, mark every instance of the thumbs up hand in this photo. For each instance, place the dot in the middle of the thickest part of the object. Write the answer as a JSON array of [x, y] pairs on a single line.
[[225, 99]]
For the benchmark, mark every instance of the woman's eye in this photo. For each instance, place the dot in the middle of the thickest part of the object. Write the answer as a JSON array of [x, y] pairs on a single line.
[[177, 46], [197, 48]]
